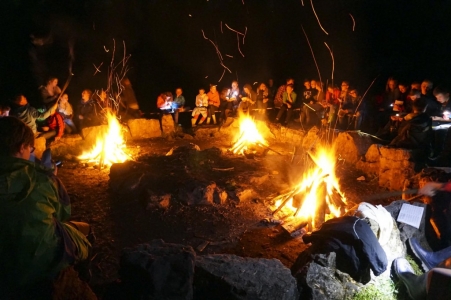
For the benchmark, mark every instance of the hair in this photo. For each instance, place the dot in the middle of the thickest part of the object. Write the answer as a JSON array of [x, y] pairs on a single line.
[[440, 90], [415, 92], [13, 134], [290, 85], [387, 88], [346, 82], [51, 78], [87, 91], [17, 98], [288, 79], [430, 83], [420, 104], [247, 86], [306, 80]]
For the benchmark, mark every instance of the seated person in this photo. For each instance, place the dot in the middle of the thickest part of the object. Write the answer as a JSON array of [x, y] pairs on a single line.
[[4, 110], [309, 97], [66, 111], [87, 112], [213, 103], [289, 99], [38, 240], [262, 98], [201, 108], [248, 99], [331, 104], [22, 110], [414, 129], [178, 104], [54, 128], [51, 91], [164, 102]]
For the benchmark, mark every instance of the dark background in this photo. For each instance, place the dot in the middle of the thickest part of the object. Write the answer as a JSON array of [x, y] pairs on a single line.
[[406, 39]]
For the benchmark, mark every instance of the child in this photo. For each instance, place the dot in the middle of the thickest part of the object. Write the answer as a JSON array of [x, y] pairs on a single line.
[[201, 107]]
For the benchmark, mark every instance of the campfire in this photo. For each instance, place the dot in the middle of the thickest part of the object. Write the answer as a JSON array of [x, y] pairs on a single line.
[[250, 140], [109, 147], [316, 198]]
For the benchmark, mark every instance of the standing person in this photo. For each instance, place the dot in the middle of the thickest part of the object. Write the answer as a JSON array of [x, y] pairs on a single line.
[[38, 240], [178, 104], [289, 99], [201, 108], [278, 98], [309, 95], [263, 94], [66, 111], [213, 103], [271, 92], [51, 91], [22, 110], [248, 99], [87, 113]]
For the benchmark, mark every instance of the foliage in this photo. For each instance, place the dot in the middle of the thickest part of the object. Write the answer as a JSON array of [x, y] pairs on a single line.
[[381, 288]]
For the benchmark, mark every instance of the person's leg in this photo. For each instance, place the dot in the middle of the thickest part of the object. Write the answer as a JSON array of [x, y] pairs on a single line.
[[176, 117], [288, 118], [416, 285], [280, 114]]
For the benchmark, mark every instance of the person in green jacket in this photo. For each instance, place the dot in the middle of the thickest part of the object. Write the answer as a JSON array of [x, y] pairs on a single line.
[[37, 240]]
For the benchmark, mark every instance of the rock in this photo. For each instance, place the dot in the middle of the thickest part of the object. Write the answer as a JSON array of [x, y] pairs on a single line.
[[246, 195], [159, 270], [310, 139], [319, 278], [370, 163], [91, 134], [126, 178], [396, 166], [144, 128], [167, 125], [198, 193], [207, 132], [220, 197], [232, 277], [69, 286], [259, 180], [39, 145], [352, 145], [407, 231], [183, 149], [157, 201], [69, 144], [188, 137]]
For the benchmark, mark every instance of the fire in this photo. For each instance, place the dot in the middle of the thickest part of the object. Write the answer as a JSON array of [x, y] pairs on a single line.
[[249, 136], [318, 196], [109, 146]]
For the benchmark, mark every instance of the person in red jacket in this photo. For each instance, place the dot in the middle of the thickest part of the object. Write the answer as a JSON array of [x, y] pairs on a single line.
[[213, 103], [54, 128]]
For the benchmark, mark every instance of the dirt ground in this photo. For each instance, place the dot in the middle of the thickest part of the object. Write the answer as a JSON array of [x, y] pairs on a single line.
[[235, 228]]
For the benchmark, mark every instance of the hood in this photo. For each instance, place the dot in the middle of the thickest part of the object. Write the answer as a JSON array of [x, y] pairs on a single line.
[[19, 111], [17, 178]]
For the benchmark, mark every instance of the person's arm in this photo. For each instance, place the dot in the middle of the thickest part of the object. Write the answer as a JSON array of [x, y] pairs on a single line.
[[431, 188], [293, 97]]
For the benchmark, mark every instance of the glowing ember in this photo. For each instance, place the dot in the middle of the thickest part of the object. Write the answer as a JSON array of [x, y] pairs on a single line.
[[317, 197], [109, 146], [249, 137]]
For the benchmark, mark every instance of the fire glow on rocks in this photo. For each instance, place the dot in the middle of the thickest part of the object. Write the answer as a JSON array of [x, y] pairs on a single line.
[[109, 147], [317, 197], [249, 137]]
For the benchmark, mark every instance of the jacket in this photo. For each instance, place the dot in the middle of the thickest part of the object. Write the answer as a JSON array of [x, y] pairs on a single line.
[[56, 122], [88, 111], [28, 115], [414, 133], [355, 244], [35, 242], [213, 98]]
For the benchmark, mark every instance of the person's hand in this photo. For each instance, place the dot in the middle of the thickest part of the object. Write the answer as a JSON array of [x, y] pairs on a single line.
[[430, 188], [311, 102], [80, 117], [435, 118]]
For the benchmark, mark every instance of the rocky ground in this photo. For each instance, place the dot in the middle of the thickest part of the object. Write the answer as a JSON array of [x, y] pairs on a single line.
[[122, 218]]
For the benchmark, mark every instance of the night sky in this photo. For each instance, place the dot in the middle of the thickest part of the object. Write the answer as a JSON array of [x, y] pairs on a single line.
[[408, 39]]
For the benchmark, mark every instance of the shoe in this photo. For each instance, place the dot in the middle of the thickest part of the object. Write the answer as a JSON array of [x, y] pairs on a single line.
[[416, 285], [428, 259]]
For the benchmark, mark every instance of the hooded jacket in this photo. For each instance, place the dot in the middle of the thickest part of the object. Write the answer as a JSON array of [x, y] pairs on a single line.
[[28, 115], [35, 243]]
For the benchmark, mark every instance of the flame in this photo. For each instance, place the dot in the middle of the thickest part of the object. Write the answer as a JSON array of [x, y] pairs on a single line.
[[319, 179], [109, 147], [249, 135]]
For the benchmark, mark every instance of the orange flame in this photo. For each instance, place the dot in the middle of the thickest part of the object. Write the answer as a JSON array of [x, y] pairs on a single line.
[[249, 135], [109, 147]]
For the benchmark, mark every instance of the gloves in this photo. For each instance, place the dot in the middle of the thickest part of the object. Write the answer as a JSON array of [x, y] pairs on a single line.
[[430, 188]]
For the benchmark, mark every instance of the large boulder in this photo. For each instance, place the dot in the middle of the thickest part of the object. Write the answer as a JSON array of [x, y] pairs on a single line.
[[320, 279], [68, 144], [396, 166], [167, 125], [232, 277], [199, 193], [91, 134], [144, 128], [352, 145], [370, 163], [158, 270], [39, 145], [311, 139]]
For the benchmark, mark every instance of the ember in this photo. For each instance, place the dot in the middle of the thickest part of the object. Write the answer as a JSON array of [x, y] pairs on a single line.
[[249, 138], [109, 147], [317, 197]]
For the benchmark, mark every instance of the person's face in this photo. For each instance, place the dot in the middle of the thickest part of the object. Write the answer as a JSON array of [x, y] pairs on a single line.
[[289, 89], [402, 88], [25, 151], [413, 97], [313, 84], [291, 81], [85, 96], [391, 84], [442, 98], [353, 94], [234, 85], [307, 85], [213, 89], [64, 98], [54, 82], [424, 87], [246, 90], [262, 86], [201, 92], [271, 82], [344, 86], [415, 86], [178, 92], [330, 90]]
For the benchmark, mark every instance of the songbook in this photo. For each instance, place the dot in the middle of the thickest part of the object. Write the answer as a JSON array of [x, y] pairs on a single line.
[[411, 215]]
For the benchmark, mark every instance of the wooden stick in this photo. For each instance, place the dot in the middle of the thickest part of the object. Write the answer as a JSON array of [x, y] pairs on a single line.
[[224, 170], [414, 197]]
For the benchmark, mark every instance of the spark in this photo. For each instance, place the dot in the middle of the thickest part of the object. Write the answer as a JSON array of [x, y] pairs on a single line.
[[311, 2], [217, 51], [238, 40], [302, 2], [242, 1], [233, 29], [229, 55], [190, 15], [333, 60], [206, 76], [353, 22], [245, 32], [313, 54], [97, 68], [223, 72], [106, 50]]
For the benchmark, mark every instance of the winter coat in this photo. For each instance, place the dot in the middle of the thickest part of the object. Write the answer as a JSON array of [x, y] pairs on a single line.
[[355, 244], [88, 111], [28, 115], [35, 242]]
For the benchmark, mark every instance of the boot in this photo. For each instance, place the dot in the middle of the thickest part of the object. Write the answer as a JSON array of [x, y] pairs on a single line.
[[214, 119], [193, 122], [208, 121], [416, 285], [201, 121], [428, 259]]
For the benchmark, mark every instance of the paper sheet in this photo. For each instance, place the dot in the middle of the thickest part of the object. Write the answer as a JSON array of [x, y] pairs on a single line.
[[411, 215]]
